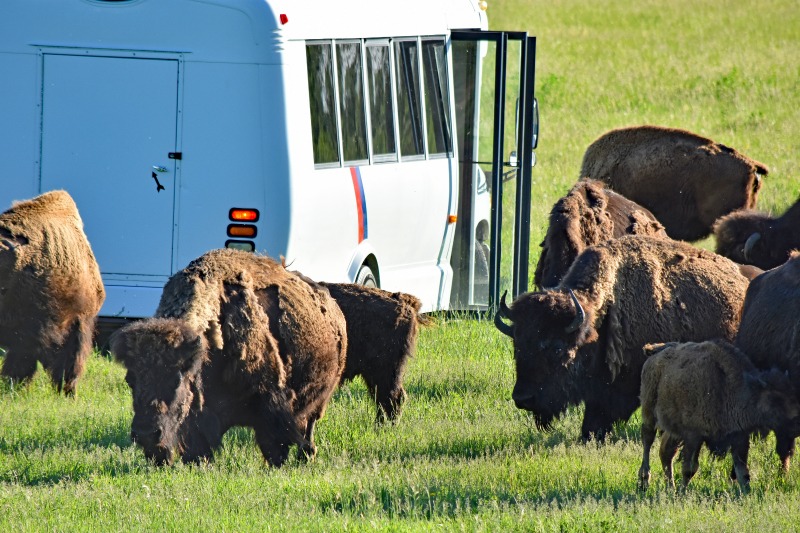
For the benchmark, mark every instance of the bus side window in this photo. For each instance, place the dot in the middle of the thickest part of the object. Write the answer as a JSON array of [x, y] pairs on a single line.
[[409, 106], [437, 100], [351, 102], [381, 112], [319, 62]]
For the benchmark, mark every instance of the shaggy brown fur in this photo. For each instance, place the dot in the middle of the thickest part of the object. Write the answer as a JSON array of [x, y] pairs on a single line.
[[275, 353], [685, 180], [632, 290], [50, 290], [770, 333], [752, 237], [382, 330], [710, 393], [588, 214]]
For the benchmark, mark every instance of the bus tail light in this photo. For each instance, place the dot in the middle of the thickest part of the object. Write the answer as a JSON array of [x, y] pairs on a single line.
[[238, 214], [242, 230]]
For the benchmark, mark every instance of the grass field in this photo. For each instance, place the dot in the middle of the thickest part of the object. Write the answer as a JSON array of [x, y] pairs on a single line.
[[462, 457]]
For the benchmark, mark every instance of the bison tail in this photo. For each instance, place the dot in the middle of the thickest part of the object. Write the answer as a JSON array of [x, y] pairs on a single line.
[[74, 351], [761, 168]]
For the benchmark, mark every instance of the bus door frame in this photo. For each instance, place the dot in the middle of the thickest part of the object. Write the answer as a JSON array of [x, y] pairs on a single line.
[[525, 157]]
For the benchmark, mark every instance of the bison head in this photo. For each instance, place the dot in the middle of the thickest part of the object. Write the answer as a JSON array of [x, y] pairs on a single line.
[[548, 328], [163, 358], [752, 238]]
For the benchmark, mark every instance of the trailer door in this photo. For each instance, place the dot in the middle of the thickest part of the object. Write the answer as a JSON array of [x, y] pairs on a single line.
[[109, 125]]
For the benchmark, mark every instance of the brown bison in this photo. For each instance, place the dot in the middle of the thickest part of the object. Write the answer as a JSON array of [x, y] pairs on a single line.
[[50, 290], [588, 214], [769, 333], [582, 341], [382, 329], [685, 180], [708, 392], [237, 341], [751, 237]]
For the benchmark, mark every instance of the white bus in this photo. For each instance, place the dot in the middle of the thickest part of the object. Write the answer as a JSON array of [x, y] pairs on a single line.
[[342, 136]]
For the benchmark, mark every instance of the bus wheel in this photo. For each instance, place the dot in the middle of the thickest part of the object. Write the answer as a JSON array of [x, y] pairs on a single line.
[[365, 277]]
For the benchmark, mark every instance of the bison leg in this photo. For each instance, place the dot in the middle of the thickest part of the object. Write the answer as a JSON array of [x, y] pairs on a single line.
[[784, 447], [389, 399], [20, 363], [669, 447], [740, 450], [648, 436], [308, 450], [691, 456]]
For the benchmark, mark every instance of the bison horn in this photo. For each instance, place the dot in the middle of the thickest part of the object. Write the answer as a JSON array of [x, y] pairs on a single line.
[[748, 245], [503, 312], [579, 318]]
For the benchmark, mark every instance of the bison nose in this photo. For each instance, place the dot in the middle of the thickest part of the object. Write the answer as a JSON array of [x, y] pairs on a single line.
[[523, 401], [141, 434]]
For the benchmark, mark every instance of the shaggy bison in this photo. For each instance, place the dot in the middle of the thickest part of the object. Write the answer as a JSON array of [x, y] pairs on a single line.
[[237, 341], [588, 214], [769, 333], [50, 290], [755, 238], [685, 180], [382, 330], [582, 341], [708, 392]]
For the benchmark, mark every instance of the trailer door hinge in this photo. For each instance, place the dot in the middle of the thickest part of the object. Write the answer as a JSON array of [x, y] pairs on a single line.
[[175, 155]]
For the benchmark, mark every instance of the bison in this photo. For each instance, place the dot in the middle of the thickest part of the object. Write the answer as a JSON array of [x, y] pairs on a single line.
[[752, 237], [582, 340], [588, 214], [50, 290], [236, 341], [769, 333], [382, 329], [685, 180], [708, 392]]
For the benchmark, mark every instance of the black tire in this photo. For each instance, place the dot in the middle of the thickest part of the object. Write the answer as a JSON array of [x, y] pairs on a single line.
[[366, 277]]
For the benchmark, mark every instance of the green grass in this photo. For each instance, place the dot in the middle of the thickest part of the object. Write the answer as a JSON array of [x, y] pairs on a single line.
[[462, 457]]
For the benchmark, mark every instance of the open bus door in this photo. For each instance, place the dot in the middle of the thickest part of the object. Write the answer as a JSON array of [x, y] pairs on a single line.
[[496, 131]]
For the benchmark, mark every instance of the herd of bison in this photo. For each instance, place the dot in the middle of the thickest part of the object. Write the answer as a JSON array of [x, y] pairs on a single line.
[[626, 314]]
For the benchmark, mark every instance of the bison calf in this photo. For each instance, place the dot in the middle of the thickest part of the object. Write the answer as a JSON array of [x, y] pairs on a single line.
[[711, 393], [50, 290], [685, 180], [382, 330], [756, 238]]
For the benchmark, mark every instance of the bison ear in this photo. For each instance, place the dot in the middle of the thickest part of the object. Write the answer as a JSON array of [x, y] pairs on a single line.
[[118, 345]]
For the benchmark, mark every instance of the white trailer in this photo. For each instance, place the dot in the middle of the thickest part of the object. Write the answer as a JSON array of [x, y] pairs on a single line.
[[321, 132]]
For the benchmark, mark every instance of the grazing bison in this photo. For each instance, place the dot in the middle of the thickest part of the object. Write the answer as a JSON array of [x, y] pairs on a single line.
[[382, 330], [237, 341], [708, 392], [582, 341], [50, 290], [755, 238], [588, 214], [769, 333], [685, 180]]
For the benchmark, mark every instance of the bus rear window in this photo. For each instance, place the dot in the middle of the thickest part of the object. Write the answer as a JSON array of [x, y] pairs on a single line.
[[351, 102], [380, 102], [319, 62], [437, 101], [412, 142]]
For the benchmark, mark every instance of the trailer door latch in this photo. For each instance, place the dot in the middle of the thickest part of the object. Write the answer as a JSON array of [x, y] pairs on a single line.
[[175, 155]]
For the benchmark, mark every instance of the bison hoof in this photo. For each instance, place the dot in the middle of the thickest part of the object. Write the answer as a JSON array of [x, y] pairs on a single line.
[[644, 481], [306, 452]]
